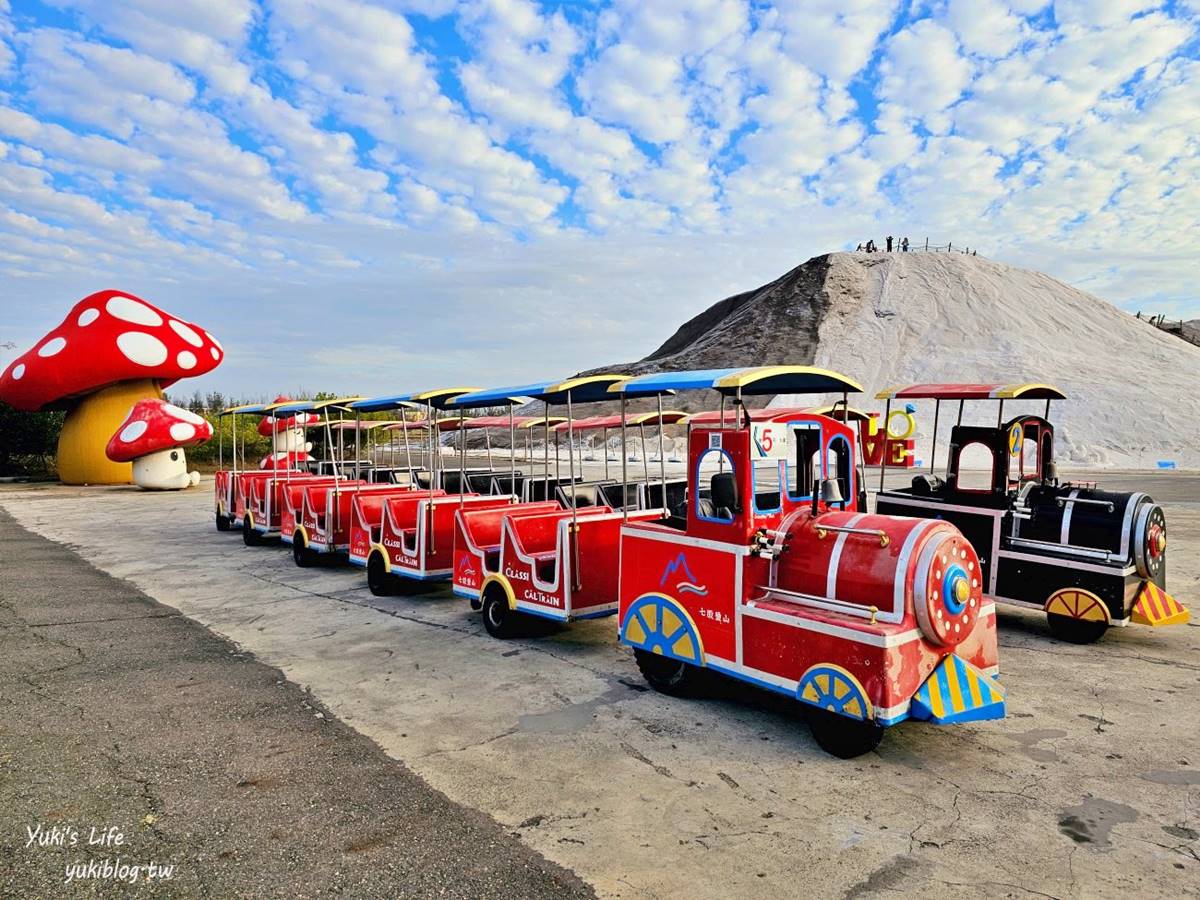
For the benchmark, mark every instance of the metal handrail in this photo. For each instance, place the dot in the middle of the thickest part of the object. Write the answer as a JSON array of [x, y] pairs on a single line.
[[884, 540], [865, 612], [1069, 549], [1063, 501]]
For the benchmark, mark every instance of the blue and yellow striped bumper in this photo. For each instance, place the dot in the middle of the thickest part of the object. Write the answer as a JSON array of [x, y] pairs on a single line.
[[957, 692]]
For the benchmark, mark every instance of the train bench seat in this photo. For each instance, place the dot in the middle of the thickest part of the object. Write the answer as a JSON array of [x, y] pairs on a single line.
[[369, 508], [582, 494], [482, 529], [507, 483], [538, 488], [535, 537]]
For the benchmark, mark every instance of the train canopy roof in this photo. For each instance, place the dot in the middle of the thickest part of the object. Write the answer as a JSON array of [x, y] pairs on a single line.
[[582, 389], [251, 409], [299, 406], [363, 424], [973, 392], [747, 382], [439, 399], [502, 396]]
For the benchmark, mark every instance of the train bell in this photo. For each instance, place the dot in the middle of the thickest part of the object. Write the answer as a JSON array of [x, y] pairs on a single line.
[[831, 492]]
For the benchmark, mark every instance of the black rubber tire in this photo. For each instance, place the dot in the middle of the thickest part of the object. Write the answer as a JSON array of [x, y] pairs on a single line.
[[840, 735], [667, 675], [379, 581], [250, 537], [498, 619], [1076, 631], [302, 554], [224, 523]]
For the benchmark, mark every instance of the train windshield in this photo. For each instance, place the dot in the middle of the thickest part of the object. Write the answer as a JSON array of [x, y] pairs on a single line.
[[805, 474], [1027, 465]]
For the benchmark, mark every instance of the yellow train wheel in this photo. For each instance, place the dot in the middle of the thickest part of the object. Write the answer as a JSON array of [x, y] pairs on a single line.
[[834, 690], [1077, 616], [657, 624]]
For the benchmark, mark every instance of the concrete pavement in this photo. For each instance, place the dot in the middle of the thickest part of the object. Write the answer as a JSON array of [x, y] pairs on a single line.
[[1090, 788], [120, 719]]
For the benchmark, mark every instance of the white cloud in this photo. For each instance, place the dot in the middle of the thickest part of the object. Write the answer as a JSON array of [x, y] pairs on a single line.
[[522, 167], [923, 69], [835, 38], [984, 27]]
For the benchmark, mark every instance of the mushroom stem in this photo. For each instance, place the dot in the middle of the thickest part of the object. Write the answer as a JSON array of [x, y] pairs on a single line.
[[89, 425]]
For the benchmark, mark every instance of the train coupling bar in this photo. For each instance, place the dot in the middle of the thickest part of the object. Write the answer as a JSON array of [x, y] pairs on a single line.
[[882, 536]]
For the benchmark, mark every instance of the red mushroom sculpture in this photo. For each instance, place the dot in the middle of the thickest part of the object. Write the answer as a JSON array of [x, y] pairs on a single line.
[[111, 350], [291, 450], [152, 437]]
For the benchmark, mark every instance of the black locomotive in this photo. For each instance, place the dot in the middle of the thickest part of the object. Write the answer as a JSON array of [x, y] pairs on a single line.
[[1090, 558]]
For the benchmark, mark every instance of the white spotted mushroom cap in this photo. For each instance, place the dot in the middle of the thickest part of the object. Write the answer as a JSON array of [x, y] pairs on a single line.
[[107, 338], [269, 424], [154, 425]]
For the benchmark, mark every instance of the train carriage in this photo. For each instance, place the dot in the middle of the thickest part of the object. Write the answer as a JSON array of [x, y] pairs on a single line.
[[1090, 559], [555, 564], [325, 518], [231, 486], [263, 513], [777, 575], [405, 539]]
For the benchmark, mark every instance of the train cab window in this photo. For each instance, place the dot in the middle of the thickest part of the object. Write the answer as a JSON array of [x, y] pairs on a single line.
[[976, 468], [716, 487], [839, 465], [1028, 465], [804, 476], [766, 480]]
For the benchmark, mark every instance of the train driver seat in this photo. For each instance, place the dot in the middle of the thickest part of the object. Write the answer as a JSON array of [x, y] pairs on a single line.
[[725, 501]]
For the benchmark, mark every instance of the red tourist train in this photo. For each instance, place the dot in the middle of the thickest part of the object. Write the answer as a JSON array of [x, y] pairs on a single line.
[[772, 572]]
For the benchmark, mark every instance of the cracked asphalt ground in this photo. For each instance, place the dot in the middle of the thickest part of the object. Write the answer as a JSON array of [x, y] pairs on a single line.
[[116, 711], [1090, 788]]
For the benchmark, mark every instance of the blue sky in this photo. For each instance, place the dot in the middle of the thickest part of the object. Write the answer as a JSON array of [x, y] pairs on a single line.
[[390, 195]]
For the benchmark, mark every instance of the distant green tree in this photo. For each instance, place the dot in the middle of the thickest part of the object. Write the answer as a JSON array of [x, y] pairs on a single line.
[[28, 441]]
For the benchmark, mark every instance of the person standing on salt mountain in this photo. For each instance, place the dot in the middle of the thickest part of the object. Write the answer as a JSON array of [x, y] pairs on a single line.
[[904, 245], [889, 243]]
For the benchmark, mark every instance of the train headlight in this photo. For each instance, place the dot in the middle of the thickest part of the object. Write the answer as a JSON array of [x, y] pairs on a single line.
[[1150, 540], [957, 589], [1158, 542]]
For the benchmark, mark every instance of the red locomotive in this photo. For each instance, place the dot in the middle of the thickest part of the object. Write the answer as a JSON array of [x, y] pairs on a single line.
[[778, 577]]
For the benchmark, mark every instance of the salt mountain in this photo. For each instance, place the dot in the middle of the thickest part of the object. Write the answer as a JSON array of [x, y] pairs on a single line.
[[895, 318]]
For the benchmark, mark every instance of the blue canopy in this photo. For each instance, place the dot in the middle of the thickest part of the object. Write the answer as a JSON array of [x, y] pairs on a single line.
[[299, 406], [439, 398], [747, 382], [502, 396], [379, 404], [581, 389], [250, 409]]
